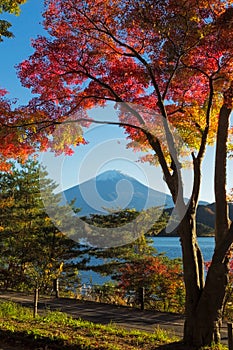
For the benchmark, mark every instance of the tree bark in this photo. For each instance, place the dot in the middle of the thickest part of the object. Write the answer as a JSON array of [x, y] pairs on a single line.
[[222, 216], [193, 266], [202, 327], [204, 301], [209, 311]]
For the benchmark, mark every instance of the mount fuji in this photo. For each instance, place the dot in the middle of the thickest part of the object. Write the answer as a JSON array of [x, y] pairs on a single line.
[[113, 190]]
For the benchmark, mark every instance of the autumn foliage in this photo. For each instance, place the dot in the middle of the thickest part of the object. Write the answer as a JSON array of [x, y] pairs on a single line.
[[24, 133], [14, 143], [162, 279], [144, 53]]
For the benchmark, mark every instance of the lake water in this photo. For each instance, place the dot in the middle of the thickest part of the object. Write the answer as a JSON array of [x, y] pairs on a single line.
[[168, 245], [171, 246]]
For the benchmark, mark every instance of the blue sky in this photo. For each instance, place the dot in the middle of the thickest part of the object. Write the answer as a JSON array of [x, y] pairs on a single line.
[[13, 51], [69, 171]]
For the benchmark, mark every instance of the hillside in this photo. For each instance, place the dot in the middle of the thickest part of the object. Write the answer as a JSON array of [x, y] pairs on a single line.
[[205, 220]]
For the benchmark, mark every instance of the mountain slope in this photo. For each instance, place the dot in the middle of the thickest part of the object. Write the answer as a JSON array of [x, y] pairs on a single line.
[[114, 190]]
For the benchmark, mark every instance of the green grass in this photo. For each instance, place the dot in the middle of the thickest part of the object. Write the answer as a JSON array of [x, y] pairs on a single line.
[[215, 347], [57, 330]]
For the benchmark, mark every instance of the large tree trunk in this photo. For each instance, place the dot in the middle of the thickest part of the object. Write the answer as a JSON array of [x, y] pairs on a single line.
[[204, 303], [209, 311]]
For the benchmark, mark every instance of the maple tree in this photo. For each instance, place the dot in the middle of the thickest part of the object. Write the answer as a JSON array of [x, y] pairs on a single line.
[[14, 144], [171, 58], [14, 139], [162, 279], [229, 291]]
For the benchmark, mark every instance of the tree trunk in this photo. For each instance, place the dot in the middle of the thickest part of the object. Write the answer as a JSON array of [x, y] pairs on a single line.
[[209, 311], [193, 266], [204, 301], [204, 304]]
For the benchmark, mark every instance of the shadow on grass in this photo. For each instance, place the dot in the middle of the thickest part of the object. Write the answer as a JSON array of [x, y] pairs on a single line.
[[25, 341], [175, 346]]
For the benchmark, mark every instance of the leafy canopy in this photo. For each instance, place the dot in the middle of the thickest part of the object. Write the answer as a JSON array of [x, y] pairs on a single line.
[[172, 58]]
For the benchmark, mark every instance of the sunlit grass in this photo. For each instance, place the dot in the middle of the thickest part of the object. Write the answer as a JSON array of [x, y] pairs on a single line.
[[215, 347], [56, 327], [57, 330]]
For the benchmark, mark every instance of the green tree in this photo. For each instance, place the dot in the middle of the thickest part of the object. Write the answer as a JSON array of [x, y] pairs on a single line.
[[9, 6], [114, 260], [116, 257], [33, 251], [137, 264]]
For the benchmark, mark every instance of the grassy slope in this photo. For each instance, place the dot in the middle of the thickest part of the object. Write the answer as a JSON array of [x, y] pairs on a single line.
[[56, 330]]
